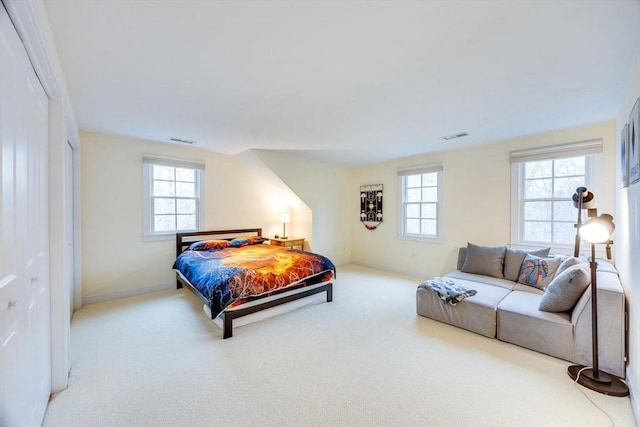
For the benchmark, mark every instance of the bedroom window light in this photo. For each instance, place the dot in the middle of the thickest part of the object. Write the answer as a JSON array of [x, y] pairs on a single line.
[[421, 201], [543, 182], [173, 201]]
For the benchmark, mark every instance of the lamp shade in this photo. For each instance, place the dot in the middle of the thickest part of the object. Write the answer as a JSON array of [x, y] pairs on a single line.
[[598, 229], [587, 198], [285, 218]]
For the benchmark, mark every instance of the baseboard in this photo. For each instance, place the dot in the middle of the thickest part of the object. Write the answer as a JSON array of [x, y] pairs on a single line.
[[635, 399], [92, 299], [397, 271]]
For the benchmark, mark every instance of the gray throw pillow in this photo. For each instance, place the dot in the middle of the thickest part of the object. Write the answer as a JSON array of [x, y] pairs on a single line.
[[570, 262], [462, 255], [513, 261], [485, 260], [565, 290], [538, 272]]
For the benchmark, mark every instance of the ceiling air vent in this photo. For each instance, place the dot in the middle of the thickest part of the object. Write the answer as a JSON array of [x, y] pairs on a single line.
[[454, 136], [182, 141]]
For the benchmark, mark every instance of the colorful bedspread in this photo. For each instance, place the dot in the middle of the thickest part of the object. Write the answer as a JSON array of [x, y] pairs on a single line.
[[230, 276]]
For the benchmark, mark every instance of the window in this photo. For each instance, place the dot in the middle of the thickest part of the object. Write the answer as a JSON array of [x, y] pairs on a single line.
[[544, 181], [172, 196], [421, 201]]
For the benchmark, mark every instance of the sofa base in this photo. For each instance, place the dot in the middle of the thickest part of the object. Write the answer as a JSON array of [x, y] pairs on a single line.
[[509, 312], [476, 313], [521, 323]]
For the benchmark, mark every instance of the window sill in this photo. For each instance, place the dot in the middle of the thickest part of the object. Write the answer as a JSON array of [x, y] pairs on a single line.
[[158, 237], [419, 238]]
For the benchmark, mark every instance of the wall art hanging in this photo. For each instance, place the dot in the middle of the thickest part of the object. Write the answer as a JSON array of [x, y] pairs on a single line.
[[371, 205], [634, 143], [624, 155]]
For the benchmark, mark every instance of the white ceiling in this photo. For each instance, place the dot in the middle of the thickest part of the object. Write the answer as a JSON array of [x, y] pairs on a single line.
[[346, 81]]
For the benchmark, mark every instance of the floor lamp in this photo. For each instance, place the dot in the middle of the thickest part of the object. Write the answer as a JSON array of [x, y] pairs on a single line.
[[582, 199], [597, 230]]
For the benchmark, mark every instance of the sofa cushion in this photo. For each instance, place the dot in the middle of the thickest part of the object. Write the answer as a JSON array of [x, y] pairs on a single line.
[[521, 323], [476, 313], [538, 272], [503, 283], [527, 288], [565, 290], [513, 261], [485, 260]]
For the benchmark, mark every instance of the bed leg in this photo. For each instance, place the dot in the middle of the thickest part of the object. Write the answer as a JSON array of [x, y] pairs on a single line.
[[228, 326], [330, 292]]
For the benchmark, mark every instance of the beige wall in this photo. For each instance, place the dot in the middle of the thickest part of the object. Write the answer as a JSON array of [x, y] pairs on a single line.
[[238, 193], [476, 201], [327, 189], [627, 242], [252, 188]]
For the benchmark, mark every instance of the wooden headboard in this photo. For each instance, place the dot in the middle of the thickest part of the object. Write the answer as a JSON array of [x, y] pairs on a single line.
[[183, 240]]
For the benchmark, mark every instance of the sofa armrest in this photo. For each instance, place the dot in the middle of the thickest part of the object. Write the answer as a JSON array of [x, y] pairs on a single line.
[[611, 325]]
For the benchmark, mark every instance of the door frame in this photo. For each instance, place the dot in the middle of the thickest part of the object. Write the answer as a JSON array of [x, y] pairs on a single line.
[[30, 20]]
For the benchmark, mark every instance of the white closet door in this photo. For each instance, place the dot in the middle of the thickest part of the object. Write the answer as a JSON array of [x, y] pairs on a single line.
[[25, 346], [69, 237]]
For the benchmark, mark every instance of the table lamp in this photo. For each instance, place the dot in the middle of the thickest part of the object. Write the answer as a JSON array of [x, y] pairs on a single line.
[[285, 219]]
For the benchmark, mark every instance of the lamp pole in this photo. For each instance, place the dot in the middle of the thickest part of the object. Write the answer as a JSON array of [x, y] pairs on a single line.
[[594, 314], [576, 247]]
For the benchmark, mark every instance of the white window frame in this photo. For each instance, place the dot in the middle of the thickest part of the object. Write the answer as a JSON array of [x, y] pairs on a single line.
[[591, 149], [402, 211], [148, 162]]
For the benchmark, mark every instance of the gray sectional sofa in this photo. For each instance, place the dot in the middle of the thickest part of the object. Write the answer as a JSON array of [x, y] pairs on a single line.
[[510, 311]]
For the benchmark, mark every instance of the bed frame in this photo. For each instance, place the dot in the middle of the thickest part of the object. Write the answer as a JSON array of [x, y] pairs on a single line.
[[183, 240]]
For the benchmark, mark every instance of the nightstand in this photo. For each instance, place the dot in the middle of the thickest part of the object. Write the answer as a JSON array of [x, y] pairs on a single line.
[[287, 243]]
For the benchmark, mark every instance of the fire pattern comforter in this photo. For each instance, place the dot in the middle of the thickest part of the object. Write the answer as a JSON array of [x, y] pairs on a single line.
[[229, 276]]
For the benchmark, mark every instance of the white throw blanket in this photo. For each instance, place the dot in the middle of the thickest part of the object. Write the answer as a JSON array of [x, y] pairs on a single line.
[[448, 291]]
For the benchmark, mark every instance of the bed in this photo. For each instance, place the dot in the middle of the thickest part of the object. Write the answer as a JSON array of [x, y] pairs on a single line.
[[235, 275]]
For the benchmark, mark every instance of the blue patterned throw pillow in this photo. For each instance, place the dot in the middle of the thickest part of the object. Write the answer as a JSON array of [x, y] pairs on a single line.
[[538, 272], [244, 241], [207, 245]]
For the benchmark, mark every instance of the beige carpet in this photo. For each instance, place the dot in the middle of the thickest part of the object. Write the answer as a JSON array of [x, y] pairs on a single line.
[[366, 359]]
